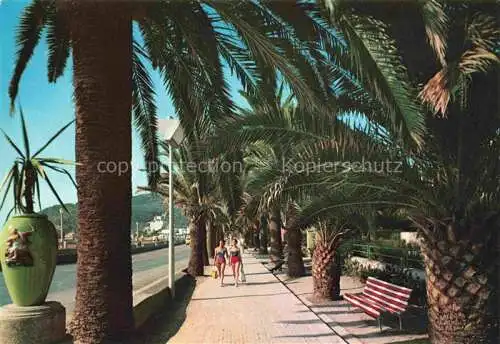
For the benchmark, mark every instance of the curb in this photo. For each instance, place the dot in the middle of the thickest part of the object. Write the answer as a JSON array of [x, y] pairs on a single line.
[[151, 304], [155, 301], [348, 337]]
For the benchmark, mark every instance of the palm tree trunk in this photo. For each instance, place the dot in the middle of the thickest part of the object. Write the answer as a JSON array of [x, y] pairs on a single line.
[[263, 235], [102, 78], [218, 235], [294, 243], [256, 235], [295, 261], [257, 240], [210, 239], [206, 262], [198, 240], [460, 279], [249, 237], [275, 235], [326, 271]]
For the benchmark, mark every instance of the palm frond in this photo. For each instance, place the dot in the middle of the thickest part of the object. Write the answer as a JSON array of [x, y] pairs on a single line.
[[482, 34], [436, 27], [262, 49], [10, 179], [58, 42], [145, 116], [60, 170], [44, 175], [377, 64], [29, 31]]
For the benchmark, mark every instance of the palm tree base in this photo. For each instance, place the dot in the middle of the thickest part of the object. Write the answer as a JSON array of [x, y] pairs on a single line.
[[326, 271], [460, 279], [295, 258]]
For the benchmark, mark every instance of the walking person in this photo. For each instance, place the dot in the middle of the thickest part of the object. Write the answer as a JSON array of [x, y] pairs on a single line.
[[235, 261], [220, 255]]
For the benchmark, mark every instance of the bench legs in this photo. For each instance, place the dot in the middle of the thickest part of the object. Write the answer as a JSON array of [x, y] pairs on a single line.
[[379, 320]]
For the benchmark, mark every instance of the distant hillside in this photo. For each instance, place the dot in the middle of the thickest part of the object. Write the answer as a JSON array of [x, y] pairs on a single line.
[[144, 208]]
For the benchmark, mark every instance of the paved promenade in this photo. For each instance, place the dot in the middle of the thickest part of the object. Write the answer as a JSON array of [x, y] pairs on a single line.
[[262, 310]]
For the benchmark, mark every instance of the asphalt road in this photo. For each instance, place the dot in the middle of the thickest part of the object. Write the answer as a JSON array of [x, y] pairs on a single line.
[[147, 267]]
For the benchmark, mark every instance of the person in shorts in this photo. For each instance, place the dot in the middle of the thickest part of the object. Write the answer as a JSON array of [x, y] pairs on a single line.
[[220, 255]]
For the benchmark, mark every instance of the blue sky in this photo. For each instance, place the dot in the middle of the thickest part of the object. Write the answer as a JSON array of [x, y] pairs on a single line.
[[47, 107]]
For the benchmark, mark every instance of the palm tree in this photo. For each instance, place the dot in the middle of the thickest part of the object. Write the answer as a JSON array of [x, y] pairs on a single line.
[[200, 197], [261, 160], [326, 262], [450, 186], [453, 184], [110, 80], [278, 136], [295, 260]]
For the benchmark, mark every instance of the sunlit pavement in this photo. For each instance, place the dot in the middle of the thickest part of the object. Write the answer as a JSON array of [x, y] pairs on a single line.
[[262, 310]]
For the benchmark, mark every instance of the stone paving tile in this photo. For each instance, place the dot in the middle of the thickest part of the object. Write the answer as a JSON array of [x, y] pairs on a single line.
[[259, 311]]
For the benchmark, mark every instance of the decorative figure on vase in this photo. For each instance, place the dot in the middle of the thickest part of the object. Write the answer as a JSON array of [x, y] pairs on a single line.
[[18, 252]]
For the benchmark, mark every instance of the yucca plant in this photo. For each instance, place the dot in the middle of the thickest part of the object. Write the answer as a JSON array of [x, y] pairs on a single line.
[[28, 169]]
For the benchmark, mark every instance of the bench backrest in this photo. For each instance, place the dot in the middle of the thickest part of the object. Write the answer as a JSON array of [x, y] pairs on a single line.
[[390, 296]]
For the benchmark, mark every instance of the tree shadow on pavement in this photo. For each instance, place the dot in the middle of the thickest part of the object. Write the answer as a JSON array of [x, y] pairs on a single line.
[[164, 325]]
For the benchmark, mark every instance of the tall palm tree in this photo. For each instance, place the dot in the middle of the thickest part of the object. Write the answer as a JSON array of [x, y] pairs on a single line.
[[279, 136], [200, 195], [450, 187], [111, 81], [263, 159]]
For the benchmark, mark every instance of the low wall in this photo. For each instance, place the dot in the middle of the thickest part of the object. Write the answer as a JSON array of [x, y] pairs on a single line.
[[68, 255], [375, 264], [151, 300], [155, 298]]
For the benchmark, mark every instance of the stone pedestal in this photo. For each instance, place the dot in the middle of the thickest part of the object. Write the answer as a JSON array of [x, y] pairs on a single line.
[[45, 324]]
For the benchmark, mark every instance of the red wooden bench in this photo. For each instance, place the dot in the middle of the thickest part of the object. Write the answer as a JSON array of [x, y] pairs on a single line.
[[380, 297]]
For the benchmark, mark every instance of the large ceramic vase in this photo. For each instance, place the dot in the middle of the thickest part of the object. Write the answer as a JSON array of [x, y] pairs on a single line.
[[28, 253]]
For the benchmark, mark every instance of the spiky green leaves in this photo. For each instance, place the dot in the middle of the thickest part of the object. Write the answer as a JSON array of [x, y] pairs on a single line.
[[26, 171]]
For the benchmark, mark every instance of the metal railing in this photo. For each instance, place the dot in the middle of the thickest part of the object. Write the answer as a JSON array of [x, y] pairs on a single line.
[[404, 257]]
